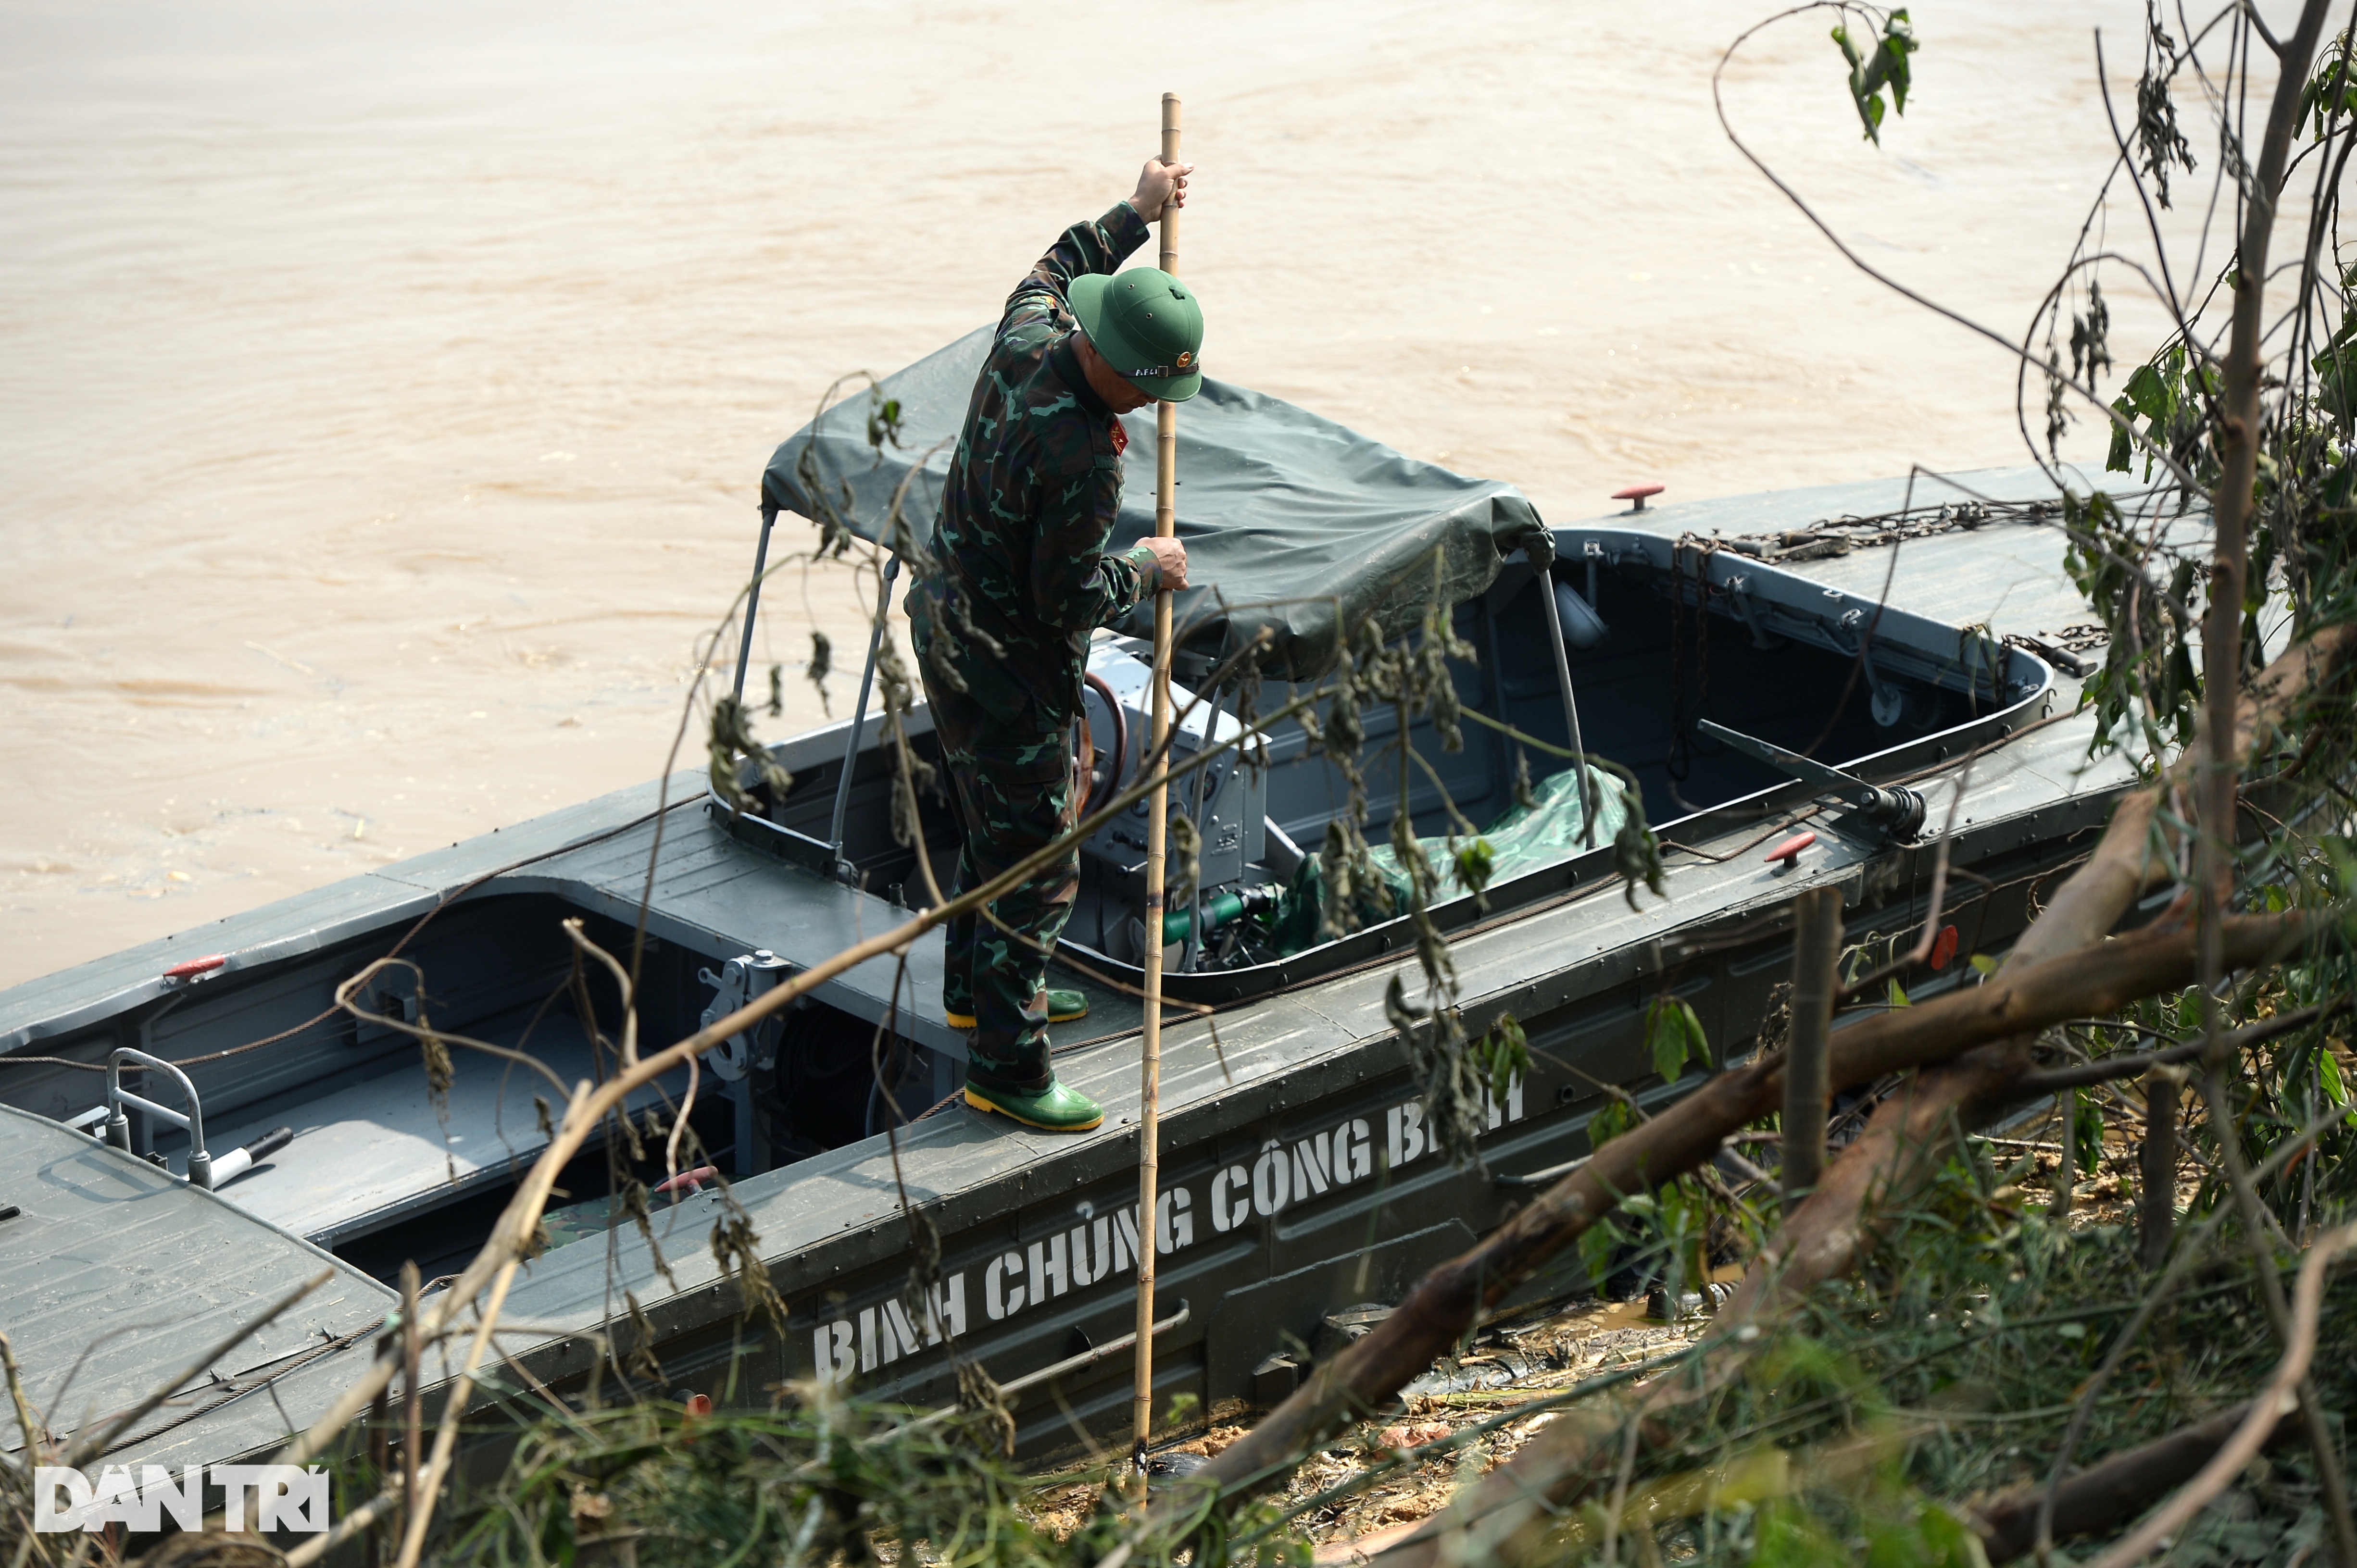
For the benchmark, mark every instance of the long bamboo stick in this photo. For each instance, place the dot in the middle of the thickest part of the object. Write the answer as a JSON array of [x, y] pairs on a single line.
[[1149, 1097], [1816, 955]]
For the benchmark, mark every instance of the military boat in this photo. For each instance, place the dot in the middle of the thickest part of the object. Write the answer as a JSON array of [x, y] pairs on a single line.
[[1801, 689]]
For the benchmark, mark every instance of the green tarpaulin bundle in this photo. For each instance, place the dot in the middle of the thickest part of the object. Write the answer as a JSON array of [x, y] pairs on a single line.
[[1295, 527], [1524, 839]]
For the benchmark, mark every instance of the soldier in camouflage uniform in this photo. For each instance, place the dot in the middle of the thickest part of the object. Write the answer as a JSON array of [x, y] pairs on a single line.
[[1028, 512]]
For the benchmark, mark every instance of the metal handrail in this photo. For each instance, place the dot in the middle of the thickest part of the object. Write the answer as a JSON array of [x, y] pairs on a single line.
[[753, 596], [844, 870], [118, 1124]]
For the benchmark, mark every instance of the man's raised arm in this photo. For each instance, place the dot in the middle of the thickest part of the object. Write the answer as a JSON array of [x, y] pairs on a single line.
[[1102, 244]]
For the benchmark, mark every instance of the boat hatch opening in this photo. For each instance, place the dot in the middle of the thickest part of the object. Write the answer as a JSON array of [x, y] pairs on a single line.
[[1723, 689]]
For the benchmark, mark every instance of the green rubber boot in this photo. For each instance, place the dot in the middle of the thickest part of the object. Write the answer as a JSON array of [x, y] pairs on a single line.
[[1063, 1006], [1055, 1109]]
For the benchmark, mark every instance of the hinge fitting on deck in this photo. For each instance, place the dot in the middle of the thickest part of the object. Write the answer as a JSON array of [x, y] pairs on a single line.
[[1895, 810]]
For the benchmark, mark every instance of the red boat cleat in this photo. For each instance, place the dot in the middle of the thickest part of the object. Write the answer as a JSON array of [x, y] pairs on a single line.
[[189, 969]]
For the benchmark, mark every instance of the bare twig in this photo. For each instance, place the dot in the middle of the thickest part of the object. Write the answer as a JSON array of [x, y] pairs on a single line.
[[347, 992], [679, 1122], [2136, 1064], [34, 1446], [306, 1552], [622, 978], [447, 1439], [2156, 1218]]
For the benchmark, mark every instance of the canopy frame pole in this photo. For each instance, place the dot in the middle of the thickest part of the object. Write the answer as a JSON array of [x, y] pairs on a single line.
[[1157, 814], [844, 870], [753, 598], [1570, 705]]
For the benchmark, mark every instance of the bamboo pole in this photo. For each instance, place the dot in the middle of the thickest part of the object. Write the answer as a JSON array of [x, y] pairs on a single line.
[[1149, 1107], [412, 1412], [1816, 953]]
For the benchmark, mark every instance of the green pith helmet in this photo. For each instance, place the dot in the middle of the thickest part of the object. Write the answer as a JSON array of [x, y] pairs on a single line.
[[1148, 325]]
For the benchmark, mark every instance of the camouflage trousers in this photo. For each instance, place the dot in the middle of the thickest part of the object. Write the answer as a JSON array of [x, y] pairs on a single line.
[[1014, 790]]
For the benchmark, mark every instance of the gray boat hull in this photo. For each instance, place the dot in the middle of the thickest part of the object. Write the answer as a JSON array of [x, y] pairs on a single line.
[[1299, 1177]]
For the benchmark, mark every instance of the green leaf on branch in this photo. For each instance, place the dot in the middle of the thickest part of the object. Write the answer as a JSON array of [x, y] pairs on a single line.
[[2170, 393], [2087, 1131], [1475, 862], [1673, 1033], [884, 420], [1596, 1245], [2122, 448], [1611, 1119], [2330, 93], [1502, 1055], [1883, 65], [2150, 393], [2335, 1084]]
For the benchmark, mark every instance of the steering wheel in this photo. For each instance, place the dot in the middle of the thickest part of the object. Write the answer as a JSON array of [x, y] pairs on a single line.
[[1103, 783]]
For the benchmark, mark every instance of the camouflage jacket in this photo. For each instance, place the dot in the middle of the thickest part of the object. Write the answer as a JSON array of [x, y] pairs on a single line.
[[1032, 496]]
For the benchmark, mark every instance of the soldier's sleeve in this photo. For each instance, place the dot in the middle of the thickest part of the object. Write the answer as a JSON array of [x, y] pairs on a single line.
[[1097, 246], [1075, 586]]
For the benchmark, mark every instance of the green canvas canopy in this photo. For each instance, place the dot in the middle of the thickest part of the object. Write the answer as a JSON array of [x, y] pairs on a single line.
[[1294, 525]]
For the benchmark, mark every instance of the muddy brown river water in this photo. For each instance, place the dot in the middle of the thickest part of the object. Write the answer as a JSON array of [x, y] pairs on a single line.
[[384, 388]]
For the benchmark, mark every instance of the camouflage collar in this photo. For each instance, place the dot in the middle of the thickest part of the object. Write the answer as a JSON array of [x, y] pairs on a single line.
[[1065, 361]]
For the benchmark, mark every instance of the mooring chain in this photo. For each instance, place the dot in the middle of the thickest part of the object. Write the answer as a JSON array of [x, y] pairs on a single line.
[[1835, 536]]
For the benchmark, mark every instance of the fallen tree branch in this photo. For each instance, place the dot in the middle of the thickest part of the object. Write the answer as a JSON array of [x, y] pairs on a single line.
[[1982, 1048], [1365, 1376], [2136, 1064], [2261, 1416], [2104, 1493]]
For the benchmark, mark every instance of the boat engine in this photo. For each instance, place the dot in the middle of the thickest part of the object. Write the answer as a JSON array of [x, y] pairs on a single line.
[[1226, 801]]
